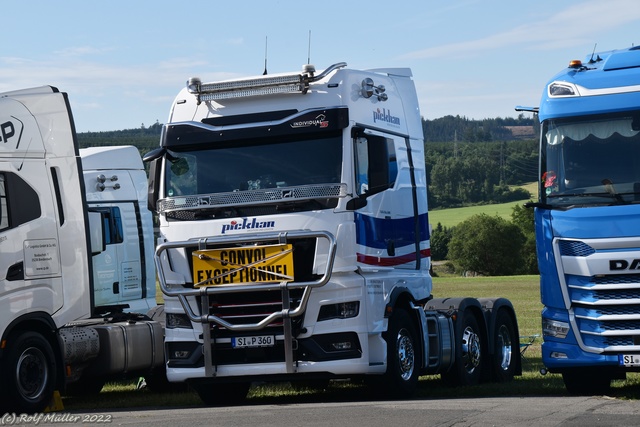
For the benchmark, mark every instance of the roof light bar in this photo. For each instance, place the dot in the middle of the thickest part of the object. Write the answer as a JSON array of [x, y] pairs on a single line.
[[266, 85], [251, 87]]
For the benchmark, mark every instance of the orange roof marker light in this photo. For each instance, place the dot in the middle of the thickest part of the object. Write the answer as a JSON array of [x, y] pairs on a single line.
[[575, 63]]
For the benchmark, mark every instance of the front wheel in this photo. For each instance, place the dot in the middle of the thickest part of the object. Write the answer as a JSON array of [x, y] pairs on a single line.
[[467, 369], [29, 372], [401, 378]]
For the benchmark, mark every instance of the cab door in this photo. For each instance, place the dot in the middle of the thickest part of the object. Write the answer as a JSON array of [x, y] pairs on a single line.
[[117, 270]]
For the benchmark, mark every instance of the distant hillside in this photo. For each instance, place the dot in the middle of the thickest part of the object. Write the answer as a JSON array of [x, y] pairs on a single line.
[[444, 129], [462, 129], [469, 162], [145, 138]]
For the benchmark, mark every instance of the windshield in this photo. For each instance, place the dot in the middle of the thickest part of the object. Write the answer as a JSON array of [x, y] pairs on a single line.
[[254, 167], [593, 160]]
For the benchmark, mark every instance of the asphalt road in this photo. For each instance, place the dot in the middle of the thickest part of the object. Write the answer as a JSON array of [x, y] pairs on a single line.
[[491, 411]]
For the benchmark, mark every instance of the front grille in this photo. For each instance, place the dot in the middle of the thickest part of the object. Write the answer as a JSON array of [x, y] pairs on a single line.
[[618, 279], [606, 307], [616, 294], [250, 308], [575, 248], [242, 308]]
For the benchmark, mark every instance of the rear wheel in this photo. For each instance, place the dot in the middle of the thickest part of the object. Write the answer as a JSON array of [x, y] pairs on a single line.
[[506, 347], [29, 372], [467, 369], [401, 378]]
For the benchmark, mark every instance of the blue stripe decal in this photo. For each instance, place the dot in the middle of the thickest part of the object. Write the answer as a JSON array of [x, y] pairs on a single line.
[[377, 232]]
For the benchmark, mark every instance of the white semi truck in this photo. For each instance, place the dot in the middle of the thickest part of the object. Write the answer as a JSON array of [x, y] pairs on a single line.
[[76, 257], [295, 240]]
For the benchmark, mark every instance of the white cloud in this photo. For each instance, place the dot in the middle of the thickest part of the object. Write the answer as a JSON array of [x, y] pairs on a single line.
[[81, 51], [564, 28], [236, 42]]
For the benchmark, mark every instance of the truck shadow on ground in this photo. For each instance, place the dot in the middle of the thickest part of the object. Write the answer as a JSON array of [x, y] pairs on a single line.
[[125, 396]]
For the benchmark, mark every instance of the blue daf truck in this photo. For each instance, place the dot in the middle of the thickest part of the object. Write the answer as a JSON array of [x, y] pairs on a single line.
[[587, 220]]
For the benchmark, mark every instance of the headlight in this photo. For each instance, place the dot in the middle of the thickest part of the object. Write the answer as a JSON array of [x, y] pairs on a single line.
[[177, 320], [559, 89], [554, 328], [342, 310]]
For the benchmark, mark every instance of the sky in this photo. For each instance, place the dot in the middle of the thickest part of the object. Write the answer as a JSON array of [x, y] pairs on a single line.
[[122, 62]]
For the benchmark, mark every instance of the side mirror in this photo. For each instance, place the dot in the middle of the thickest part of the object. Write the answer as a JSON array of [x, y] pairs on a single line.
[[356, 203], [154, 158], [96, 232], [153, 184]]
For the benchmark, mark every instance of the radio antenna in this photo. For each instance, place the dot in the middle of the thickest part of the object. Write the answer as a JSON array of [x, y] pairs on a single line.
[[265, 56], [309, 49], [593, 53]]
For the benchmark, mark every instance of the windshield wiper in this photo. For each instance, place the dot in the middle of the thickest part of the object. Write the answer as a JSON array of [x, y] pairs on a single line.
[[540, 205], [560, 195], [214, 212], [608, 186], [618, 199], [305, 204]]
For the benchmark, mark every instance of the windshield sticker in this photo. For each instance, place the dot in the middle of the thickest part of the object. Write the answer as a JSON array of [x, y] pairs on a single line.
[[550, 183], [385, 116], [320, 121], [247, 224]]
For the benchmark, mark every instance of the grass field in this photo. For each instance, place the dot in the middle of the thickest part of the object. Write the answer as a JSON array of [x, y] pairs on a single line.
[[522, 291], [451, 217]]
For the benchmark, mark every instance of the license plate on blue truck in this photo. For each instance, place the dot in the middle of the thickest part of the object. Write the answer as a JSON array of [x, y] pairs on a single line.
[[255, 341], [629, 360]]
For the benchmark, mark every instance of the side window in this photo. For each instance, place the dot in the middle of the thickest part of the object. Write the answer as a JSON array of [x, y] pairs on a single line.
[[19, 203], [181, 175], [4, 214], [112, 222], [376, 164]]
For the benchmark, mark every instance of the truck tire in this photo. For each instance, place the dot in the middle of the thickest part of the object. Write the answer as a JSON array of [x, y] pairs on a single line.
[[467, 369], [29, 372], [401, 378], [222, 394], [506, 346], [587, 381]]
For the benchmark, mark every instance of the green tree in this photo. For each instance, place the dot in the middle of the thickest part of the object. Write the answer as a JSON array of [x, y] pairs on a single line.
[[488, 245], [440, 237], [523, 218]]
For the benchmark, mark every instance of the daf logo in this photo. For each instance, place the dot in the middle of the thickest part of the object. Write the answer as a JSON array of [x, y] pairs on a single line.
[[623, 264]]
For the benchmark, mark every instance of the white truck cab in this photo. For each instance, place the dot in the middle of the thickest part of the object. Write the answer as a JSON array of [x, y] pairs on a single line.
[[295, 239], [76, 241]]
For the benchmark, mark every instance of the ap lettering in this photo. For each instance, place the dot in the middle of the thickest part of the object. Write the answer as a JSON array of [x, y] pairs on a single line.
[[7, 130]]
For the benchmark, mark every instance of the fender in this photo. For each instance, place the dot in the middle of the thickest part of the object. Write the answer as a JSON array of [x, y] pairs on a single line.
[[40, 322], [400, 296], [491, 308], [453, 306], [457, 304]]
